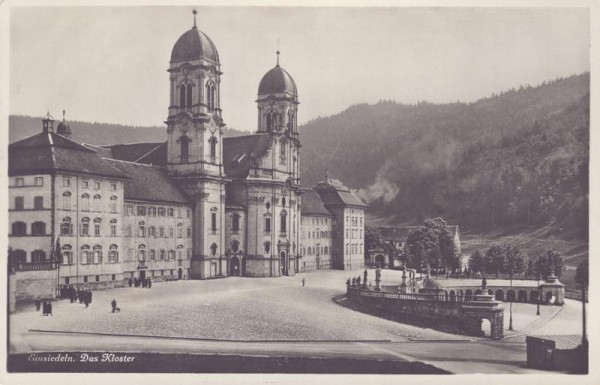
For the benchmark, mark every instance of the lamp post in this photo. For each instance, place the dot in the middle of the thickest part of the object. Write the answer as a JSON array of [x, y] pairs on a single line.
[[510, 325], [539, 294]]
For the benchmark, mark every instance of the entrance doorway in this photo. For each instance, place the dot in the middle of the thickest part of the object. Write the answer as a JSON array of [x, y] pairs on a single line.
[[380, 261], [486, 327], [180, 273], [142, 275], [283, 264], [234, 267]]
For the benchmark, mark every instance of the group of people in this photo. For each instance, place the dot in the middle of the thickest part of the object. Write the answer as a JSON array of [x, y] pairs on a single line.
[[84, 296], [46, 306], [140, 282]]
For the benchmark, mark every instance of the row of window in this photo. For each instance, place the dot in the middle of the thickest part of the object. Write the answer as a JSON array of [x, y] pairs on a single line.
[[37, 181], [354, 220], [354, 248], [318, 250], [38, 203], [184, 143], [87, 205], [319, 234], [152, 211], [356, 233], [86, 184], [186, 91], [273, 119], [144, 254], [319, 221], [20, 229]]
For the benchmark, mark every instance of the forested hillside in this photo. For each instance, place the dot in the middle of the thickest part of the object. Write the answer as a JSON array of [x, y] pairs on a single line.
[[516, 158], [22, 127]]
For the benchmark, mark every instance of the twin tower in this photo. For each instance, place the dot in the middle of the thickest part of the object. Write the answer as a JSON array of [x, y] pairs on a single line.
[[231, 207]]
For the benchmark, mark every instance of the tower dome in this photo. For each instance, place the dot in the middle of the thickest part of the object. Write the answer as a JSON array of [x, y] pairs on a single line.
[[63, 128], [277, 81], [194, 45]]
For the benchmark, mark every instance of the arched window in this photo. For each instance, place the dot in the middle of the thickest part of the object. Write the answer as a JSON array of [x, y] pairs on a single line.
[[97, 226], [113, 204], [210, 95], [235, 246], [113, 227], [97, 254], [283, 221], [179, 230], [182, 96], [38, 256], [347, 249], [213, 249], [272, 121], [267, 247], [19, 228], [290, 125], [213, 147], [85, 202], [113, 254], [184, 142], [235, 222], [141, 252], [97, 203], [141, 229], [179, 252], [85, 226], [67, 255], [86, 255], [66, 200], [189, 95], [171, 255]]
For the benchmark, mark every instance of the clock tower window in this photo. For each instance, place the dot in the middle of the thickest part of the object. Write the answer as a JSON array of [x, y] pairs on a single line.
[[184, 142], [213, 148]]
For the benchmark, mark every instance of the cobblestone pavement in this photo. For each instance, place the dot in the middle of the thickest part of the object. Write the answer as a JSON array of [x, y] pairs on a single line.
[[241, 309]]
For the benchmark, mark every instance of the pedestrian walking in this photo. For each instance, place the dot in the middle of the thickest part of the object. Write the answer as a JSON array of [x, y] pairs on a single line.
[[149, 283], [38, 303], [130, 282], [302, 281], [45, 308], [113, 304], [49, 309]]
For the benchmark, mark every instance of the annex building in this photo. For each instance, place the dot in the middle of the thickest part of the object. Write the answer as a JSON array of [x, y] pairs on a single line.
[[198, 205]]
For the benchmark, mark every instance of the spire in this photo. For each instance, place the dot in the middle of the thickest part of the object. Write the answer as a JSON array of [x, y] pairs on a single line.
[[194, 12], [63, 115], [278, 58]]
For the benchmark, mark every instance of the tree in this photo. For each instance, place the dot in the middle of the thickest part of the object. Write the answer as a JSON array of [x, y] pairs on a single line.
[[549, 263], [494, 260], [433, 244], [476, 263], [514, 260], [373, 239]]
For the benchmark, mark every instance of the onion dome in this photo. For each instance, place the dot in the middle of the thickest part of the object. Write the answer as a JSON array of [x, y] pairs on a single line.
[[63, 128], [277, 81], [194, 45]]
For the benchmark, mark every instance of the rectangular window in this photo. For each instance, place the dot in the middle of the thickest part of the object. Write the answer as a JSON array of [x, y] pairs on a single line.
[[96, 185], [213, 221], [38, 203], [85, 184], [161, 232], [97, 229], [267, 225], [38, 228], [187, 213], [189, 232], [129, 209], [141, 210], [97, 278], [66, 181], [189, 253], [113, 186], [162, 254], [161, 211], [85, 279], [171, 232], [38, 181], [19, 203], [113, 277], [20, 182], [178, 212]]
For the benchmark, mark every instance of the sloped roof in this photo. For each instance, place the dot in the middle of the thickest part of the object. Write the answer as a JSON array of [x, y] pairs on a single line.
[[149, 183], [157, 156], [312, 204], [129, 152], [49, 152], [239, 150], [334, 193]]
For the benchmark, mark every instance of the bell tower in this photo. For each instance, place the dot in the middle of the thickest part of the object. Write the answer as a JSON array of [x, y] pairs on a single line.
[[195, 145]]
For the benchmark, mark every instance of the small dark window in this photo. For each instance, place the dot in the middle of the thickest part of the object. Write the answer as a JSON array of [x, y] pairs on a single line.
[[38, 256], [267, 225], [182, 96], [38, 203], [213, 221], [283, 225], [213, 147], [66, 280], [19, 228], [85, 278], [113, 277], [235, 223], [184, 142], [38, 228], [267, 247], [97, 278], [19, 203], [189, 95]]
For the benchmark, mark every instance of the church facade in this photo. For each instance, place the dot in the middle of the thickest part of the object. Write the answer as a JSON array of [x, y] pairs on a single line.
[[198, 205]]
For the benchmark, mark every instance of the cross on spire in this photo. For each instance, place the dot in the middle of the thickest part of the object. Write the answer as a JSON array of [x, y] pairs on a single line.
[[194, 12], [278, 57]]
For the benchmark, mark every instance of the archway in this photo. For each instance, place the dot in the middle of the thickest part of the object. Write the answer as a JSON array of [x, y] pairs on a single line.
[[549, 297], [510, 296], [533, 296], [477, 292], [486, 327], [499, 295], [180, 273], [522, 296], [283, 264], [468, 295], [234, 267], [380, 260], [452, 295]]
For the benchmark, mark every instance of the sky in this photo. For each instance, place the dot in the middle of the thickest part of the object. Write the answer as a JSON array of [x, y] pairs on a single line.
[[108, 64]]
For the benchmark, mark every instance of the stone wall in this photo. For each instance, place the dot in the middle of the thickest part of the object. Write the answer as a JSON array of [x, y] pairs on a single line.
[[30, 285]]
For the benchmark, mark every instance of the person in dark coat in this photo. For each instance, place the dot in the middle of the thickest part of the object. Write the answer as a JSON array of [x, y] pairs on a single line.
[[90, 294], [114, 305], [49, 309], [130, 282], [38, 303], [149, 283], [44, 308]]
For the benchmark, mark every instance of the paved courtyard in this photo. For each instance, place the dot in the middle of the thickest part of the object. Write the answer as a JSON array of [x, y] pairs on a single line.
[[254, 309]]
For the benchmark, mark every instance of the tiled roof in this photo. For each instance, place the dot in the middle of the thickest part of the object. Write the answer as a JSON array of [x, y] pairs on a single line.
[[48, 152], [239, 150], [130, 152], [312, 204], [334, 193], [149, 183], [157, 156]]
